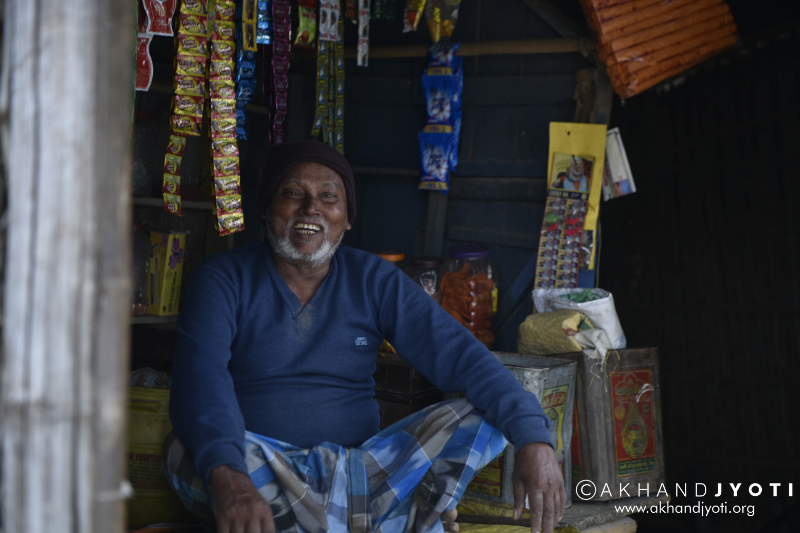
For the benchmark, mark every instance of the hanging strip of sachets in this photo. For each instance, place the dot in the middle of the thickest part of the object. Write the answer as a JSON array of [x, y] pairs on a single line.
[[224, 149], [189, 95], [362, 50], [281, 46]]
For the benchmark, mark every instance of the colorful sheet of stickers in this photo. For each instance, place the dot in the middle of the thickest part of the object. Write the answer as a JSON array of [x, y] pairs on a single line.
[[362, 53], [557, 263], [189, 94]]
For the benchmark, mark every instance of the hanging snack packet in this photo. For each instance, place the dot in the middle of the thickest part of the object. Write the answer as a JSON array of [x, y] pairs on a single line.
[[225, 11], [223, 128], [434, 20], [230, 223], [222, 89], [223, 31], [226, 166], [172, 184], [438, 84], [412, 15], [442, 54], [222, 50], [449, 17], [172, 204], [191, 66], [307, 29], [193, 25], [227, 186], [435, 150], [172, 164], [362, 50], [224, 148], [192, 45], [185, 125], [176, 145], [159, 16], [188, 105], [223, 108], [194, 7], [228, 205], [221, 70], [189, 86]]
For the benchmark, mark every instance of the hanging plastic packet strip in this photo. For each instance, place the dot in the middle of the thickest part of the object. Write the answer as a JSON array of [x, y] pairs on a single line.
[[223, 31], [264, 22], [222, 108], [222, 89], [172, 164], [362, 50], [172, 204], [307, 29], [433, 15], [412, 14], [281, 46], [223, 50], [230, 223], [228, 205], [227, 186], [194, 7], [383, 9], [189, 86], [221, 70], [329, 20], [193, 45], [442, 54], [226, 166], [322, 77], [245, 84], [223, 128], [176, 145], [249, 19], [224, 148], [351, 11], [190, 66], [225, 11], [188, 105], [172, 184], [193, 25], [245, 89], [438, 85], [458, 74], [337, 88], [185, 125], [435, 148], [449, 18]]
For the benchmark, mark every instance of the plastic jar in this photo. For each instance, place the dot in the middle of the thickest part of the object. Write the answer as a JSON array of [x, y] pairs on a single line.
[[425, 273], [395, 258], [139, 270], [469, 290]]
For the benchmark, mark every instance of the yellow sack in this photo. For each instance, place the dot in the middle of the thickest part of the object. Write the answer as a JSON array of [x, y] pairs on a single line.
[[551, 333]]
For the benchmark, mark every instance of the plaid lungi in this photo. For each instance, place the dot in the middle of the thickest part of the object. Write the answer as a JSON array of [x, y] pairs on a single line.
[[400, 480]]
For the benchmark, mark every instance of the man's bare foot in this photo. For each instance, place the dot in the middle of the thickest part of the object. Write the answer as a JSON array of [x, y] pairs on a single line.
[[449, 521]]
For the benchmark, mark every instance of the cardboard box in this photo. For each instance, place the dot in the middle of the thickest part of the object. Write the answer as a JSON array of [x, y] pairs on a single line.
[[165, 273]]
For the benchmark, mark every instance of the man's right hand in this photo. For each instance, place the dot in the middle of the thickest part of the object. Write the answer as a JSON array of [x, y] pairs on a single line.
[[237, 505]]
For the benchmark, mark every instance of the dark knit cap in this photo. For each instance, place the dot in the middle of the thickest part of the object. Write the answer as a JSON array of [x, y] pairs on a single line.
[[282, 158]]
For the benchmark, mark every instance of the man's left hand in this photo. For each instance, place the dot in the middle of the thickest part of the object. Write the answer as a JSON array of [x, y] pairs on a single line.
[[537, 473]]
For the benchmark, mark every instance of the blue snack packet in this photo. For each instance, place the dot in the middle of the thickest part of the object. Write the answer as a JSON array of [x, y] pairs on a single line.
[[442, 54], [458, 74], [436, 145], [438, 84], [245, 89]]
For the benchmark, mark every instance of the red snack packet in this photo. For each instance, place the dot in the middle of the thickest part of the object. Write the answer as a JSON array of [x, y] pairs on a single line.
[[159, 16], [193, 25], [188, 105], [226, 166], [223, 50], [172, 164], [172, 203], [223, 89], [172, 184], [224, 148], [223, 108], [227, 186], [189, 86]]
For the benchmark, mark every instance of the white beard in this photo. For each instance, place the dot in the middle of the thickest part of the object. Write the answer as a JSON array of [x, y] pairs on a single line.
[[284, 248]]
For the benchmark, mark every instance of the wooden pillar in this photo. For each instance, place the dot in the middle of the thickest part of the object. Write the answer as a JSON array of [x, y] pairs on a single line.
[[65, 118]]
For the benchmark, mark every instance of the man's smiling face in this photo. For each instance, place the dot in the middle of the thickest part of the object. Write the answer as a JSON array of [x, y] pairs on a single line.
[[307, 216]]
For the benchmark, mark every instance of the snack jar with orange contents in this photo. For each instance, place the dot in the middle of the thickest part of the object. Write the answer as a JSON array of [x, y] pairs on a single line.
[[469, 290]]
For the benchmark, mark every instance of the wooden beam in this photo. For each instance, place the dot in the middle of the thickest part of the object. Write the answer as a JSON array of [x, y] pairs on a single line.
[[482, 48], [66, 118]]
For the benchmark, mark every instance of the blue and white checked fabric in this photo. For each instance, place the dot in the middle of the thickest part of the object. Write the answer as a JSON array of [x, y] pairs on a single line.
[[400, 480]]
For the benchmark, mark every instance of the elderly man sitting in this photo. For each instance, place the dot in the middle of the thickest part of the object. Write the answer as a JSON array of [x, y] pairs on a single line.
[[272, 399]]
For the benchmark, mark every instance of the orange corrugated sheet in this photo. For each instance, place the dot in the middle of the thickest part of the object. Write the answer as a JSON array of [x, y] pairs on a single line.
[[644, 42]]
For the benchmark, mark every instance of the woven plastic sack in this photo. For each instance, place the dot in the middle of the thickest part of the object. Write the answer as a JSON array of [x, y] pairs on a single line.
[[601, 312], [551, 333]]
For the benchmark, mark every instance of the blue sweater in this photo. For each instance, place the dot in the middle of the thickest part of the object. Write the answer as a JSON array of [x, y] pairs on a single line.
[[249, 357]]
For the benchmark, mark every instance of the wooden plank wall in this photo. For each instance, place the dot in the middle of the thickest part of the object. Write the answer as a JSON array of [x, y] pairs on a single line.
[[508, 103], [703, 263]]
